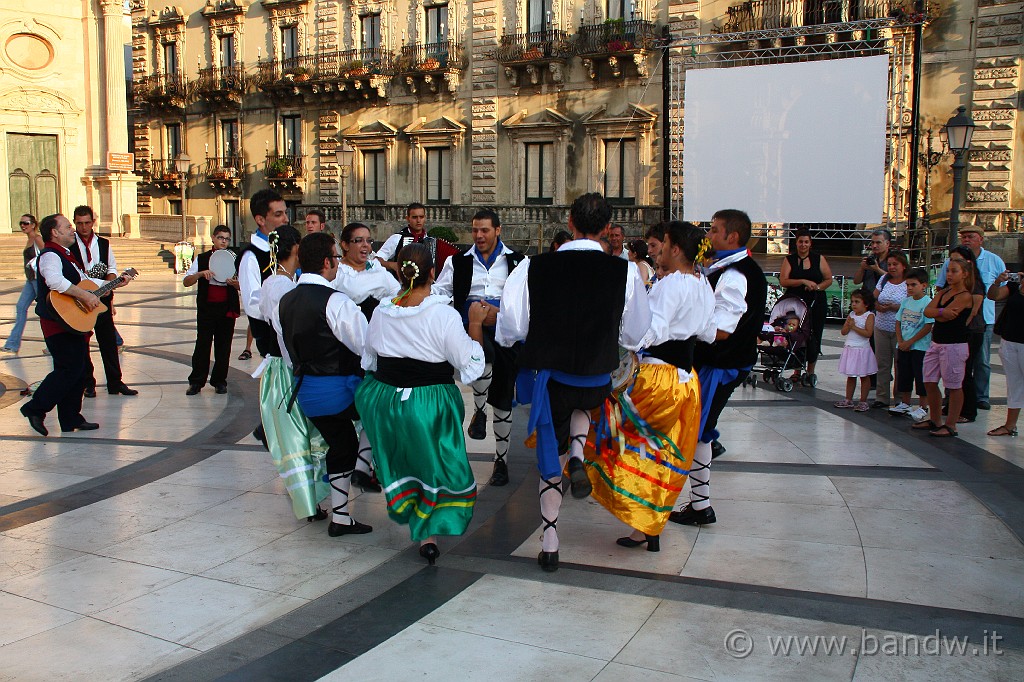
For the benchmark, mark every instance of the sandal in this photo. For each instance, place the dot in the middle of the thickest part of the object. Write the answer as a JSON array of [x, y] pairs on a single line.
[[964, 420], [1003, 431], [943, 432], [246, 355], [926, 424]]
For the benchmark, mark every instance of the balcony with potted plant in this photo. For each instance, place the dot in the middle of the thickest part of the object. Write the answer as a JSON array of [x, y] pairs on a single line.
[[161, 92], [222, 86], [423, 67], [352, 74], [163, 175], [224, 174], [285, 173], [285, 79], [618, 43], [530, 54]]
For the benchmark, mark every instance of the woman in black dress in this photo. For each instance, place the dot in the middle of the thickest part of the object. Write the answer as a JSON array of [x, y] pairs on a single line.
[[807, 274]]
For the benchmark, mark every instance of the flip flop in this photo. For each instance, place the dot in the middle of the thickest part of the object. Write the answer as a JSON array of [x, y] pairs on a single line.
[[964, 420], [943, 432], [1003, 431], [926, 424]]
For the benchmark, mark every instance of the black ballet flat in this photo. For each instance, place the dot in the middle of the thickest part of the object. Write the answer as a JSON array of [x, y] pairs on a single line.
[[318, 515], [653, 542], [430, 552], [548, 561], [355, 528]]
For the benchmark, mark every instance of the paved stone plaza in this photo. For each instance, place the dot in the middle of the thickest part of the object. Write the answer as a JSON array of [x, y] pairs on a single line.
[[163, 546]]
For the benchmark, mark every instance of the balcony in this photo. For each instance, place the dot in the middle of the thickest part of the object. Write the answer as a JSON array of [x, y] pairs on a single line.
[[760, 15], [532, 53], [224, 174], [346, 74], [222, 86], [161, 91], [427, 65], [617, 43], [286, 174], [164, 175]]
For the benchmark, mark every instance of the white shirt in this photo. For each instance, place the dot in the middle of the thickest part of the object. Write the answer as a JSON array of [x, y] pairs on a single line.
[[514, 315], [52, 271], [390, 247], [346, 321], [373, 282], [730, 293], [249, 279], [270, 295], [682, 306], [431, 332], [485, 283], [91, 256]]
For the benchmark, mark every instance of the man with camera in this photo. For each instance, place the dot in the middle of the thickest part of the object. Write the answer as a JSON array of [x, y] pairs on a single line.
[[872, 266]]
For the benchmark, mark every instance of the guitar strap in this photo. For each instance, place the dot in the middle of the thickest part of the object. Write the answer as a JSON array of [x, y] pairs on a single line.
[[66, 254]]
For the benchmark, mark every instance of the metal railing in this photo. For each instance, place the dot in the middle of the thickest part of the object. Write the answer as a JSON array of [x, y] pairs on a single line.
[[163, 169], [437, 56], [221, 167], [160, 86], [616, 35], [757, 15], [327, 66], [222, 79], [284, 165], [533, 46]]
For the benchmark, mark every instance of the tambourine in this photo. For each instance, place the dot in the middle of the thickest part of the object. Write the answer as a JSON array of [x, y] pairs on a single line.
[[625, 374], [222, 265]]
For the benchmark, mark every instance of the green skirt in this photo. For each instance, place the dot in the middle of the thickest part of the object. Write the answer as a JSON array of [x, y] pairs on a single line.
[[420, 455], [297, 448]]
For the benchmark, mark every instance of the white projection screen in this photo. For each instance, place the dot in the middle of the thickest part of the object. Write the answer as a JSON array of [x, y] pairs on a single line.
[[800, 142]]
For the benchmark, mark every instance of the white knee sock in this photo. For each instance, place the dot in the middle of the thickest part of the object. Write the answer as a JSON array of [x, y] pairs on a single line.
[[550, 503], [364, 458], [480, 388], [700, 477], [579, 427], [502, 422], [340, 484]]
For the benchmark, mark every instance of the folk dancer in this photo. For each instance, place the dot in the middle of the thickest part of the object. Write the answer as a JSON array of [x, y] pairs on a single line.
[[412, 409], [270, 212], [217, 308], [572, 340], [479, 275], [296, 446], [60, 271], [642, 447], [363, 279], [324, 333], [415, 232], [97, 259], [740, 294]]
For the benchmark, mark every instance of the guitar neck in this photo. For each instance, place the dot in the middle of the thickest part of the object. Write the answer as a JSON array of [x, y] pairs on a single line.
[[108, 287]]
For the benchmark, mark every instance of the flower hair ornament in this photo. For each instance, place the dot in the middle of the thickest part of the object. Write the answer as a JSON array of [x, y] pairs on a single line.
[[274, 239], [702, 251], [415, 276]]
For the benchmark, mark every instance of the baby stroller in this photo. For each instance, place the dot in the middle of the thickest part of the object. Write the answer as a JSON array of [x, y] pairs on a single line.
[[774, 358]]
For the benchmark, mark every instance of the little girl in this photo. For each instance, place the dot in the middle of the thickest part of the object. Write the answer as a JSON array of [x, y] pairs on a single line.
[[858, 360]]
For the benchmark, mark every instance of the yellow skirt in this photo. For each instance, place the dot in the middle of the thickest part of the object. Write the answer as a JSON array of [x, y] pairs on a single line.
[[640, 450]]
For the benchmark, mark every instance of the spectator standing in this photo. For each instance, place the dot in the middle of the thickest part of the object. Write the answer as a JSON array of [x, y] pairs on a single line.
[[616, 237], [872, 266], [975, 335], [638, 254], [1010, 326], [857, 361], [316, 221], [913, 336], [29, 227], [807, 274], [889, 293]]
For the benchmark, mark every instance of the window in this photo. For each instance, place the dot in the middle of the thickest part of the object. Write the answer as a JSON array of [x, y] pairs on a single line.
[[621, 9], [227, 50], [620, 160], [174, 206], [172, 134], [229, 140], [437, 24], [289, 42], [538, 15], [539, 176], [373, 176], [439, 175], [291, 135], [170, 58], [370, 25], [231, 218]]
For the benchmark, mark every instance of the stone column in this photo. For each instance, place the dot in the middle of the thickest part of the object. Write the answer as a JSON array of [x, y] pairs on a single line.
[[116, 107]]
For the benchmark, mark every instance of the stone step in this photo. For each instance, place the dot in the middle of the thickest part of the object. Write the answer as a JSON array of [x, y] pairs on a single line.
[[142, 254]]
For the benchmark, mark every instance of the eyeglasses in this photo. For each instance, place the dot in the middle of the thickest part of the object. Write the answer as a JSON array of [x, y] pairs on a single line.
[[360, 240], [25, 222], [336, 256]]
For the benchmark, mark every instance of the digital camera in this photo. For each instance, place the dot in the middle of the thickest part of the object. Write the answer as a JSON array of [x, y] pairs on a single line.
[[1013, 277]]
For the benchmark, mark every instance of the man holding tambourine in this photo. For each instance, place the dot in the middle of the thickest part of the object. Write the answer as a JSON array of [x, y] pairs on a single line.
[[217, 308]]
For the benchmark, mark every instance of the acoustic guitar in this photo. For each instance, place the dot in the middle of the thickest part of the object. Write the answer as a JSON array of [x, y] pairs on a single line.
[[74, 314]]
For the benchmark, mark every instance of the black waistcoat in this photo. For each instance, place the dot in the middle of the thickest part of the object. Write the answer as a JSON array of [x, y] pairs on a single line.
[[576, 303], [313, 347], [262, 333], [740, 348], [71, 273], [232, 303], [462, 275]]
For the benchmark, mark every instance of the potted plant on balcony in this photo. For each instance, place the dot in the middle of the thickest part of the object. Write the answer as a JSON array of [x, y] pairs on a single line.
[[533, 53], [429, 64], [297, 73], [279, 168], [356, 69]]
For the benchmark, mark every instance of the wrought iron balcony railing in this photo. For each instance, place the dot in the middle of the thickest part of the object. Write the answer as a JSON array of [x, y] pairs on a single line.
[[217, 79], [224, 167], [427, 57], [167, 88], [615, 36], [164, 170], [283, 166], [757, 15], [351, 64], [536, 46]]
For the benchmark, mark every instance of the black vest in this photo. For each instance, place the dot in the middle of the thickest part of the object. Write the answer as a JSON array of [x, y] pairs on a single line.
[[313, 347], [576, 303], [203, 263], [104, 252], [71, 273], [740, 348], [262, 333], [462, 275]]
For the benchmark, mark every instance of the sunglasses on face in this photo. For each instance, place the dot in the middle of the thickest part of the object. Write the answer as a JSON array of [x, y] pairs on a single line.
[[359, 240], [25, 223]]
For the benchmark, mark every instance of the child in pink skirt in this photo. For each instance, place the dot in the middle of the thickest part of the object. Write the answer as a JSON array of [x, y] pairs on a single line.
[[858, 360]]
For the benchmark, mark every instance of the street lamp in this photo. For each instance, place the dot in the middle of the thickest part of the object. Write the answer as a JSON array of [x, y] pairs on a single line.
[[344, 153], [959, 130], [181, 164]]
